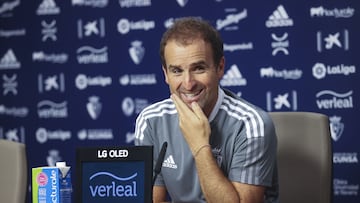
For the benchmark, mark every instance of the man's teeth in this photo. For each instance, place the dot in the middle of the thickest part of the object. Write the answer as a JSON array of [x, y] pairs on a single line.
[[190, 95]]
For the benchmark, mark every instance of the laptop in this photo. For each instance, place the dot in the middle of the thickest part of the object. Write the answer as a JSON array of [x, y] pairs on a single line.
[[114, 174]]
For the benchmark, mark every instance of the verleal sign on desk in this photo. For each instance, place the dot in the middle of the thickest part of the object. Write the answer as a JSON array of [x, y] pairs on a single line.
[[114, 175], [113, 182]]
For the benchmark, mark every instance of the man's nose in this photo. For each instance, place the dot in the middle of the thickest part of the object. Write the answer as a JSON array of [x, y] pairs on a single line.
[[189, 81]]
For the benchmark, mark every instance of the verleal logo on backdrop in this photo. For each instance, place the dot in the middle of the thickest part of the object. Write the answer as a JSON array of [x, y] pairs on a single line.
[[328, 99], [282, 101], [8, 6], [54, 82], [270, 72], [279, 18], [320, 70], [337, 40], [335, 12], [280, 44], [48, 7], [233, 77], [124, 26], [16, 134], [49, 109], [94, 107], [49, 30], [336, 127], [90, 3], [137, 51], [91, 28], [231, 19], [9, 61], [43, 135], [134, 3], [91, 55], [10, 84]]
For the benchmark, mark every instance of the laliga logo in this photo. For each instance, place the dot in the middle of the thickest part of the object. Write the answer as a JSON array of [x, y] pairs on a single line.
[[114, 189]]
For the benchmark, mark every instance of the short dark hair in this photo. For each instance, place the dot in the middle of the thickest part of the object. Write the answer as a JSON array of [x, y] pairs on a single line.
[[185, 30]]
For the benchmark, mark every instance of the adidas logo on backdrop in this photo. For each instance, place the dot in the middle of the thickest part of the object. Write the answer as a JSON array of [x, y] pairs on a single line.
[[279, 18], [233, 77]]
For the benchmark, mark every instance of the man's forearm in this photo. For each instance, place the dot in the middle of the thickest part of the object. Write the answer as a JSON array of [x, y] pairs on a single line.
[[215, 186]]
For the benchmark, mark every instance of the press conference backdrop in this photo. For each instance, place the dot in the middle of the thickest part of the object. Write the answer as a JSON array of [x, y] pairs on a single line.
[[78, 72]]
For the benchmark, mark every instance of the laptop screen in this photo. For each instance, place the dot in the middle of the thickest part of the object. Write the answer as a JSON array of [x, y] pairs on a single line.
[[118, 174]]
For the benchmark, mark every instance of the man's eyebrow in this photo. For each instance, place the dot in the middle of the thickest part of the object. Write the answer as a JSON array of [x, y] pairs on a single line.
[[198, 63], [173, 66], [202, 63]]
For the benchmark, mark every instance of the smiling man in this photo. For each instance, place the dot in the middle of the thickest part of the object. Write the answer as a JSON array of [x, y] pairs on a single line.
[[221, 148]]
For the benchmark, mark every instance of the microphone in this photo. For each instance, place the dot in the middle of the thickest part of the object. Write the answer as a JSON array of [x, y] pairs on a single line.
[[160, 160]]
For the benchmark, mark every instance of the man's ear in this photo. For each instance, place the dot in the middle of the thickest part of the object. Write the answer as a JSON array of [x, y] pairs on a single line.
[[165, 74], [221, 68]]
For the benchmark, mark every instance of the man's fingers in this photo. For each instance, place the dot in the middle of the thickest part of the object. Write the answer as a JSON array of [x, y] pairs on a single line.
[[181, 107], [198, 111]]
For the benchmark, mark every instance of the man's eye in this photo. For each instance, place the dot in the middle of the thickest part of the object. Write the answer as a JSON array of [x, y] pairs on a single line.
[[199, 69], [175, 70]]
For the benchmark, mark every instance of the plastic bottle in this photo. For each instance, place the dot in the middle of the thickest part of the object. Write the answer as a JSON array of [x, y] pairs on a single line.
[[65, 183]]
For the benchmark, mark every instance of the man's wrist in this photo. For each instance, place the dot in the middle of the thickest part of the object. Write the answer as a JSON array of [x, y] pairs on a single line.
[[197, 151]]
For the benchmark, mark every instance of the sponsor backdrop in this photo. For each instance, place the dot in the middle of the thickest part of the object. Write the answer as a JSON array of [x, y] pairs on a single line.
[[77, 72]]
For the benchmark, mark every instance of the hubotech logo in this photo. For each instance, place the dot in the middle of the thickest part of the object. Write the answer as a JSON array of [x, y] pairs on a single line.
[[107, 185], [328, 99]]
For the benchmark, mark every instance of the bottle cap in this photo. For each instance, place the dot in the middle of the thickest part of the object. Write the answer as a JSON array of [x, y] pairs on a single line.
[[61, 164]]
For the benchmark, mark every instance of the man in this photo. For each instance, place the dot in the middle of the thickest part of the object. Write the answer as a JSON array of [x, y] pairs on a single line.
[[220, 147]]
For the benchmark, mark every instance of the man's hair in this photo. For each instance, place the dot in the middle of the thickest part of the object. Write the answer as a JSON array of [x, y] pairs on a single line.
[[186, 30]]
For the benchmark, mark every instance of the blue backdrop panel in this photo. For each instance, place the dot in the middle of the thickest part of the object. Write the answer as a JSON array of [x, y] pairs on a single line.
[[77, 73]]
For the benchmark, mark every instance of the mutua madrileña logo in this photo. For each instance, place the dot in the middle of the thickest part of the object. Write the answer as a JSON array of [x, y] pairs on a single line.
[[107, 185]]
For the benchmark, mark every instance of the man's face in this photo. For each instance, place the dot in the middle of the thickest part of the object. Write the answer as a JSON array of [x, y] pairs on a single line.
[[191, 73]]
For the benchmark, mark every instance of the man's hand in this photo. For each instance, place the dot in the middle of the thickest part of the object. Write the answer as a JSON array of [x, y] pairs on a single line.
[[193, 124]]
